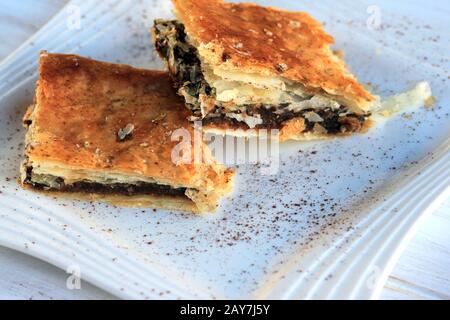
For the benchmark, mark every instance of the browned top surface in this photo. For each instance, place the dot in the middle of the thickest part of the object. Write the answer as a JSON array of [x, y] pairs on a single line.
[[81, 106], [270, 41]]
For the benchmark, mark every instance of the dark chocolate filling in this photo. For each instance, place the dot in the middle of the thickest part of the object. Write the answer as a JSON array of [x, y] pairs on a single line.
[[172, 44], [334, 121], [141, 188], [185, 68]]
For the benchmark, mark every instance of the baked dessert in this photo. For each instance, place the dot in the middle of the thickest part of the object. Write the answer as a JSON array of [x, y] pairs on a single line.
[[244, 66], [103, 131]]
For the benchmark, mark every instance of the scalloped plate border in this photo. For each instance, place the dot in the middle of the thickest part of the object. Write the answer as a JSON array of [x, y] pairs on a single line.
[[429, 181]]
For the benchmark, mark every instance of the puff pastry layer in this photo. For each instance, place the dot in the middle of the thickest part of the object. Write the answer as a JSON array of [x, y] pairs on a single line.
[[235, 61], [104, 131]]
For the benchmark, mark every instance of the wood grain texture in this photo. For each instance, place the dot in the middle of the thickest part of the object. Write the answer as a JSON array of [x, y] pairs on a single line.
[[423, 271], [24, 277]]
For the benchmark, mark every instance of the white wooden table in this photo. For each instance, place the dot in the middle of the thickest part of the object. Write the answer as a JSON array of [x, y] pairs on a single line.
[[423, 271]]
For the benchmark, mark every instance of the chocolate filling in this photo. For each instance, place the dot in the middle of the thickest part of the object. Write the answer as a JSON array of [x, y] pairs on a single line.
[[334, 121], [172, 44], [52, 183]]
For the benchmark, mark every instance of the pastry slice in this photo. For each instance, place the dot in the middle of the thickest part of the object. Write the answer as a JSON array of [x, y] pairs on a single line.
[[104, 131], [244, 66]]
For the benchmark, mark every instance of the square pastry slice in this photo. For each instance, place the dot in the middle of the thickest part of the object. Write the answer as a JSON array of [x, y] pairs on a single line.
[[104, 131], [243, 66]]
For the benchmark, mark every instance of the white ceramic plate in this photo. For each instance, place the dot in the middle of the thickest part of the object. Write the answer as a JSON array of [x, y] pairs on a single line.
[[330, 224]]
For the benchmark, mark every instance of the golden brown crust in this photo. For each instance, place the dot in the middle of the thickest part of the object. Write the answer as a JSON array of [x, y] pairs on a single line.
[[291, 128], [271, 42], [81, 104]]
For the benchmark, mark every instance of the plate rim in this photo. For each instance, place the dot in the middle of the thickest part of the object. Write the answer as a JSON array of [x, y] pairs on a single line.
[[389, 264]]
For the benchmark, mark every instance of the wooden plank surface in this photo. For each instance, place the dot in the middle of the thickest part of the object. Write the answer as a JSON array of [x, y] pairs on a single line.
[[23, 277], [423, 271]]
